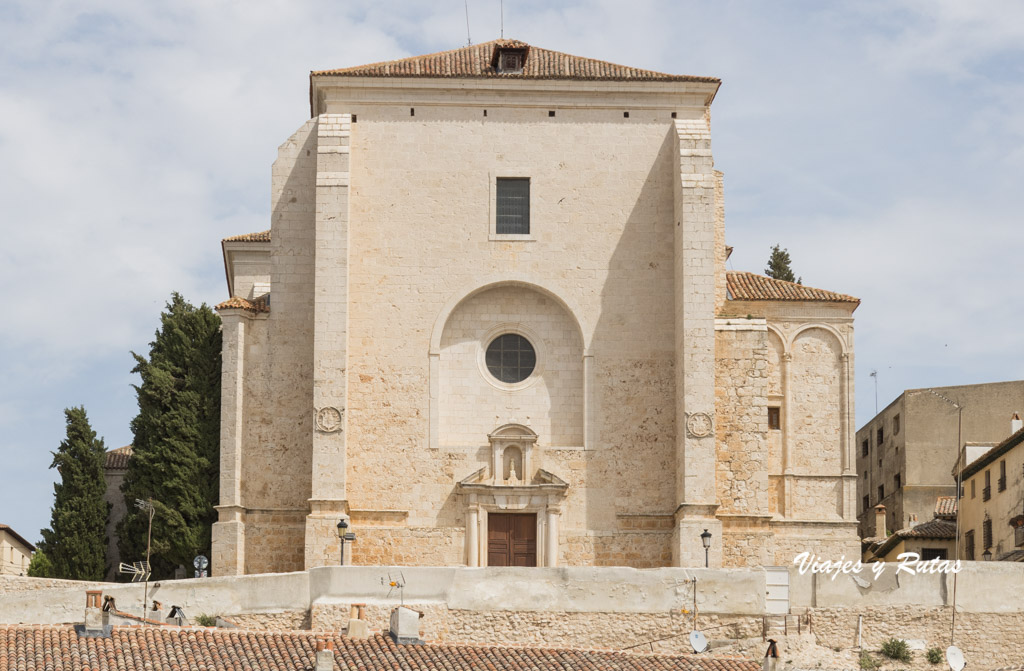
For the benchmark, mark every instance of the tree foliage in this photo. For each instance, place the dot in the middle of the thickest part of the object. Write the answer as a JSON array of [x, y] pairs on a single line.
[[779, 266], [40, 566], [74, 547], [175, 449]]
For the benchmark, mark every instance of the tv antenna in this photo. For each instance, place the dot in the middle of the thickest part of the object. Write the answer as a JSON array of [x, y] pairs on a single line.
[[146, 507], [874, 374], [469, 39], [393, 584], [501, 6]]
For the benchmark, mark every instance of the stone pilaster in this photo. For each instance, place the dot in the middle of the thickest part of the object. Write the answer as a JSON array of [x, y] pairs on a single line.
[[228, 541], [694, 289], [330, 341]]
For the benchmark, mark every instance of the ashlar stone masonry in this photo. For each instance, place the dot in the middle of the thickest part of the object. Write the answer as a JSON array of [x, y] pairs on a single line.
[[658, 395]]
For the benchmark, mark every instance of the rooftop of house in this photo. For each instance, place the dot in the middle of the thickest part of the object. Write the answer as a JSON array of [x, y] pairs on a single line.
[[945, 508], [483, 61], [118, 458], [39, 648], [744, 286], [935, 529], [18, 537], [975, 466]]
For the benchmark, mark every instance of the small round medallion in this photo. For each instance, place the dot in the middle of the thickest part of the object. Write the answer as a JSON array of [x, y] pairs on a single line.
[[328, 419], [698, 424]]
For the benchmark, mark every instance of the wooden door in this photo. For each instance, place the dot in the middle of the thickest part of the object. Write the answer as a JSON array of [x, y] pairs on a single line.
[[511, 539]]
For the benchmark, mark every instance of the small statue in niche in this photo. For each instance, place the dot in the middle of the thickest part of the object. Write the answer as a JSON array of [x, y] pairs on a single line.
[[513, 477]]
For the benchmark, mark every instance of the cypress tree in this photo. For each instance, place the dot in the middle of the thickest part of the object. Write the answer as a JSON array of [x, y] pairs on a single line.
[[74, 547], [175, 449], [779, 266]]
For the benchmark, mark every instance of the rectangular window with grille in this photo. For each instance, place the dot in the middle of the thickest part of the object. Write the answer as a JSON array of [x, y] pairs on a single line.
[[513, 206], [969, 545], [774, 418], [864, 448], [986, 492], [881, 436], [1002, 475]]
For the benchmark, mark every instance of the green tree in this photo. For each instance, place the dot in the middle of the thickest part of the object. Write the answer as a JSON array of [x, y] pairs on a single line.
[[779, 266], [74, 547], [40, 566], [175, 450]]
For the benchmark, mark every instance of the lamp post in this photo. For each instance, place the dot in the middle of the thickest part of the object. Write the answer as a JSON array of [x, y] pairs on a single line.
[[344, 535], [705, 538], [987, 555]]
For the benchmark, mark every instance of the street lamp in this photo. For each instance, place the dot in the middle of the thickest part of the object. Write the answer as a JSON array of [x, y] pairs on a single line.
[[987, 555], [705, 538], [344, 535]]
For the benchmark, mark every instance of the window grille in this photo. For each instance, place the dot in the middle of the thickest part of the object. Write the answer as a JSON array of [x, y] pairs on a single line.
[[513, 206]]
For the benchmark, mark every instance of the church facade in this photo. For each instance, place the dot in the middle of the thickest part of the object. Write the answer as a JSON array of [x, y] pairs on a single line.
[[491, 324]]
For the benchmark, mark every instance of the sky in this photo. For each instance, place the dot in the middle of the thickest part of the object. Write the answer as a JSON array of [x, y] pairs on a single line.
[[880, 142]]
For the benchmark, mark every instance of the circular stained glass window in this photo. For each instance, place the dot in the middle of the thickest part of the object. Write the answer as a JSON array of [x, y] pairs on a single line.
[[511, 358]]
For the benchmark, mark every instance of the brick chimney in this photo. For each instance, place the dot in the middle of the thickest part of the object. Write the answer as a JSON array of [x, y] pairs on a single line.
[[880, 521], [1015, 423], [325, 656], [95, 625]]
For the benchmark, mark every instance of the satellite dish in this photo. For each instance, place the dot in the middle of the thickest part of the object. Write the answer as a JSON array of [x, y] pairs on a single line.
[[955, 658], [698, 641]]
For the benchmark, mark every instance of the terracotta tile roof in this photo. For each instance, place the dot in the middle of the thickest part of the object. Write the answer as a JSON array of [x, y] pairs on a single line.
[[745, 286], [4, 527], [41, 648], [945, 507], [934, 529], [118, 459], [261, 236], [478, 60], [260, 304]]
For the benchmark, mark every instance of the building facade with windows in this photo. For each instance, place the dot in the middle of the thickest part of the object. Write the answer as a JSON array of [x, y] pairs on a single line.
[[491, 324], [15, 552], [992, 499], [905, 452]]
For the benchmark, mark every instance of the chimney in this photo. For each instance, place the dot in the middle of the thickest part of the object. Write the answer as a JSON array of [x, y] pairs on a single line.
[[357, 627], [95, 625], [912, 522], [325, 656], [1015, 423], [405, 626], [880, 521]]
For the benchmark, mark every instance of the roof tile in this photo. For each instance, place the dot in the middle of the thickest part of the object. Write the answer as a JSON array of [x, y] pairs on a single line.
[[476, 61], [945, 507], [235, 303], [745, 286], [261, 236], [118, 459], [39, 648]]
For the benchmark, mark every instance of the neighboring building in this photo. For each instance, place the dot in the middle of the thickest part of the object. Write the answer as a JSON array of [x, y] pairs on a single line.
[[114, 468], [492, 324], [15, 552], [992, 500], [934, 539], [904, 453]]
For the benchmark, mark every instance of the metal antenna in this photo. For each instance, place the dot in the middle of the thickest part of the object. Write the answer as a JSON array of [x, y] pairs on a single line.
[[469, 39], [501, 4], [874, 374]]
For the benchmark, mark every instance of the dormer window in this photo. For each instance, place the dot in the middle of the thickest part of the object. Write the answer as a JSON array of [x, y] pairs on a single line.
[[509, 60]]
